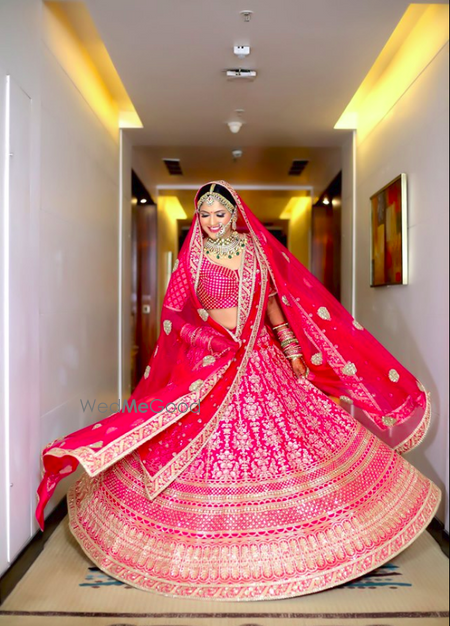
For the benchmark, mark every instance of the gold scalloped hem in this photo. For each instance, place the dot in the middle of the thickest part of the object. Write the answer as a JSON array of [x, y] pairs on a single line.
[[253, 591], [419, 434]]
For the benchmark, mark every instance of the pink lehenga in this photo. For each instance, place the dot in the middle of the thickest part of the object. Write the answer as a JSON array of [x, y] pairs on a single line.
[[235, 480]]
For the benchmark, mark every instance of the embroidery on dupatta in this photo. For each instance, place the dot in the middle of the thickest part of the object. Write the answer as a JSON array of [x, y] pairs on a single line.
[[177, 296], [246, 286], [419, 434], [95, 462], [336, 361]]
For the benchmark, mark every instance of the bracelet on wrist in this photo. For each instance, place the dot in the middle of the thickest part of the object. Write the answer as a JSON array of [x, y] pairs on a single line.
[[291, 348], [280, 325], [287, 342]]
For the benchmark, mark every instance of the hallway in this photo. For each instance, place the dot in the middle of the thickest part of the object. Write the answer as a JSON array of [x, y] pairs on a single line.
[[330, 119]]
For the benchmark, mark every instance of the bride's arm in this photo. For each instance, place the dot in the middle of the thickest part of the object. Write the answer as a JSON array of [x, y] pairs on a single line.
[[276, 317], [274, 311]]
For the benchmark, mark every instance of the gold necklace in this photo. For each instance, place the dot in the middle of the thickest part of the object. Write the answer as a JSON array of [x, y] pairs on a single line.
[[225, 247]]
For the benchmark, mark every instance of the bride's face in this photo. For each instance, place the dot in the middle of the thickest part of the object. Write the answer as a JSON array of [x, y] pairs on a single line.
[[212, 216]]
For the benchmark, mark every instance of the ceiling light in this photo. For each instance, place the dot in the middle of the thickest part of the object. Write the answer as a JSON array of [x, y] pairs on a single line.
[[143, 201], [326, 200], [235, 127], [246, 14], [241, 73]]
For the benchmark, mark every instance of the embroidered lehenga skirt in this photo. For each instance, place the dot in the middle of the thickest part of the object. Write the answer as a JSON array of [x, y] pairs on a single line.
[[291, 495]]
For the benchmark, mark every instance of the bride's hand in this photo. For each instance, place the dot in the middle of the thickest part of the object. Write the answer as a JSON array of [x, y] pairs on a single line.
[[222, 344], [299, 367]]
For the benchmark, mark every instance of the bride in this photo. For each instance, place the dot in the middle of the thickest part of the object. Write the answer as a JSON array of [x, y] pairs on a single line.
[[233, 472]]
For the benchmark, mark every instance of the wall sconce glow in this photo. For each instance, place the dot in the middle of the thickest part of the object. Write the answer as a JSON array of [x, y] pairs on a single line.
[[129, 119], [73, 38], [417, 39], [294, 206], [299, 227], [172, 207]]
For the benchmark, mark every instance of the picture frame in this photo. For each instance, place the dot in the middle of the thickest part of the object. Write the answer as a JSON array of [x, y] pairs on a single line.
[[388, 234]]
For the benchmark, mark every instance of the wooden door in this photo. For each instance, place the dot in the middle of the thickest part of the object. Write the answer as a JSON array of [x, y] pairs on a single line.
[[144, 287]]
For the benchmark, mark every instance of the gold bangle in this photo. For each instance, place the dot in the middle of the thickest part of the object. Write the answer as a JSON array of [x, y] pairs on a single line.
[[287, 342], [280, 325]]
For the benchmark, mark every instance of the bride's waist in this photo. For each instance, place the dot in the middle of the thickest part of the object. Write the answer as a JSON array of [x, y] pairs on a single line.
[[226, 316], [230, 309]]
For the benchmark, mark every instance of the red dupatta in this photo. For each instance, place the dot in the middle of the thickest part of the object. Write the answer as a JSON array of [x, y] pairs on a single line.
[[187, 387], [345, 359]]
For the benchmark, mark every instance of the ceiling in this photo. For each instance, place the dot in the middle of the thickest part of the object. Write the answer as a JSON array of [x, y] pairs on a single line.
[[311, 57], [258, 167]]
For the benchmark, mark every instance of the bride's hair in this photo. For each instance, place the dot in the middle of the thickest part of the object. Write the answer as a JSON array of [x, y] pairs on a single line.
[[218, 189]]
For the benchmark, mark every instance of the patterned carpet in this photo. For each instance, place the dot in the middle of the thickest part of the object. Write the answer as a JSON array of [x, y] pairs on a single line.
[[63, 588]]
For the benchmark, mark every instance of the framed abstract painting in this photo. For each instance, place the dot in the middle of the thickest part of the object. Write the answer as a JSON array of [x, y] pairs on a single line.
[[388, 234]]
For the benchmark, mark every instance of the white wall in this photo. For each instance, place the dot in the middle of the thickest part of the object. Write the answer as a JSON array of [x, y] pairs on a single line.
[[125, 339], [412, 321], [63, 296], [347, 220], [19, 198]]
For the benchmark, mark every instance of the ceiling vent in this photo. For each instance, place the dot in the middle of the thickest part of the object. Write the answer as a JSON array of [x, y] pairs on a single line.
[[242, 74], [173, 167], [297, 167]]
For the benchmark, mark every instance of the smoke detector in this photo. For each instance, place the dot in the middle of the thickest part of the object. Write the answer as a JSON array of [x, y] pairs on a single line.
[[237, 154], [241, 51]]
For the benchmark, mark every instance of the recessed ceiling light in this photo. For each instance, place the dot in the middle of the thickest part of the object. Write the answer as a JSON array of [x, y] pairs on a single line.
[[235, 127], [246, 14]]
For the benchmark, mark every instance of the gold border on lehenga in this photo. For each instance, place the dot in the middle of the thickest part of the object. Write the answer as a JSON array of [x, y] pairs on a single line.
[[292, 584]]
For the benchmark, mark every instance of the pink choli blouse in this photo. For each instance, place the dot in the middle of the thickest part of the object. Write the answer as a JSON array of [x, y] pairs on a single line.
[[218, 286]]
